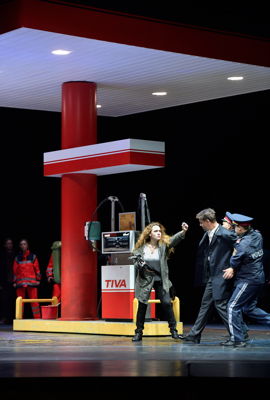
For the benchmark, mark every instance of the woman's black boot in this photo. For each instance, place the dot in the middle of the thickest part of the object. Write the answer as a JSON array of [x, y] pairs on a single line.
[[138, 335], [172, 322], [140, 322]]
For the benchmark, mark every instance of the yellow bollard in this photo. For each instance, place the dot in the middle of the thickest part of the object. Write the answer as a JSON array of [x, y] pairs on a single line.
[[54, 301], [175, 306], [19, 306], [135, 309], [20, 301]]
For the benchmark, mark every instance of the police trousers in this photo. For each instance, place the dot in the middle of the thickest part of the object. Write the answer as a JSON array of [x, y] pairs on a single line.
[[243, 300]]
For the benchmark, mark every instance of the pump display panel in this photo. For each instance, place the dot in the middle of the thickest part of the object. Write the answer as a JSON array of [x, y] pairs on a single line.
[[118, 242]]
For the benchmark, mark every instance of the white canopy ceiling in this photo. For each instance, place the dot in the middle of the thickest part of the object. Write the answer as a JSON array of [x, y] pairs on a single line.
[[31, 77]]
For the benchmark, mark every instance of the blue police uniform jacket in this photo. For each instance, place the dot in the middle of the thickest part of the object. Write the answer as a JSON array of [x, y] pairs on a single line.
[[247, 258], [213, 258]]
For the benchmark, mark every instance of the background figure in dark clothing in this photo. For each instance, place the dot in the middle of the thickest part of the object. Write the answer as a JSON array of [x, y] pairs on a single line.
[[7, 291]]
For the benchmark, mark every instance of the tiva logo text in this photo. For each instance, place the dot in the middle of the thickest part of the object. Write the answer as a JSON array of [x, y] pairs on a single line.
[[115, 283]]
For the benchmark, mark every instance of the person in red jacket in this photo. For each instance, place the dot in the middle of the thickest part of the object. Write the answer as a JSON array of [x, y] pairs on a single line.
[[27, 275]]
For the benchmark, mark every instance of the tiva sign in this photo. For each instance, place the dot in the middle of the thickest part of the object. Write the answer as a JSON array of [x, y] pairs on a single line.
[[117, 277], [115, 283]]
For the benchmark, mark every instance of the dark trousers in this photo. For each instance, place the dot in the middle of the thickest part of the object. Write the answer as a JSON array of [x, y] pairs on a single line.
[[206, 309], [166, 304], [244, 300]]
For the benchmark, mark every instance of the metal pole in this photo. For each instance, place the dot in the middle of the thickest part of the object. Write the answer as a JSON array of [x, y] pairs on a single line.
[[143, 199], [113, 199], [113, 216]]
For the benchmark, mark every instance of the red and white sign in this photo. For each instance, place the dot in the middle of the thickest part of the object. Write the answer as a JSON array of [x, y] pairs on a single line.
[[118, 291], [117, 278], [106, 158]]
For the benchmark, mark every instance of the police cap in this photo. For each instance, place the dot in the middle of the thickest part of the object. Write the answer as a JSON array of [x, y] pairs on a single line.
[[242, 220], [228, 217]]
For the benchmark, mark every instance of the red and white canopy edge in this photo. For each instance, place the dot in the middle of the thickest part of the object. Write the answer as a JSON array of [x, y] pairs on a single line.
[[115, 157]]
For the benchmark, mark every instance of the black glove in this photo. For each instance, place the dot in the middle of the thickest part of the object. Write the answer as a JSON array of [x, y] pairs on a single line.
[[141, 265]]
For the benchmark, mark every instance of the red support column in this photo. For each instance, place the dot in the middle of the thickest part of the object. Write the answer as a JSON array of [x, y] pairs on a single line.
[[79, 200], [79, 116]]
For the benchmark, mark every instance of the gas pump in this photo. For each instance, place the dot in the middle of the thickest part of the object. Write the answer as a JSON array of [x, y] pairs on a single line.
[[118, 277]]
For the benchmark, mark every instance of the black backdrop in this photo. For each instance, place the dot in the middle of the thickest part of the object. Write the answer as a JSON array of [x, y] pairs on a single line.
[[216, 156]]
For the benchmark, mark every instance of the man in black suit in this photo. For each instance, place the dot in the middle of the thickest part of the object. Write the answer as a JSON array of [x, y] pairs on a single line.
[[215, 250]]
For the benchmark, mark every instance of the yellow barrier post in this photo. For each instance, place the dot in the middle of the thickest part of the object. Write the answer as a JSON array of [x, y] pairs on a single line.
[[175, 305], [135, 309], [54, 301], [18, 310], [20, 301], [176, 309]]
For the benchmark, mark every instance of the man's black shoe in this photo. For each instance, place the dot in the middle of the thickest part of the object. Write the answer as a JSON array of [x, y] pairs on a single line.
[[190, 339], [175, 334], [231, 343], [228, 342], [239, 344]]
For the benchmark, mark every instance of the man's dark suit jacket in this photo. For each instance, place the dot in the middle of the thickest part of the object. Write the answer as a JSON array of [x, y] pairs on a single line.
[[213, 259]]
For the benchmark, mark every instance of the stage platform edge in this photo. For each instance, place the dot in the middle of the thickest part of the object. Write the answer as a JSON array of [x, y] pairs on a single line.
[[98, 327]]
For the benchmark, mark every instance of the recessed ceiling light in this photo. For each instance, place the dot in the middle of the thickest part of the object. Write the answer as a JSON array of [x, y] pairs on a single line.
[[61, 52], [98, 106], [235, 78], [159, 93]]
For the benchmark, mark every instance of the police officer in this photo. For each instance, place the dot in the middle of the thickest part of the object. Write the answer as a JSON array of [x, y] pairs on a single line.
[[227, 221], [247, 268]]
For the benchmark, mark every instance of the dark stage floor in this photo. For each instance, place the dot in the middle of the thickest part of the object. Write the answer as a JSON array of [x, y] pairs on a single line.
[[54, 363]]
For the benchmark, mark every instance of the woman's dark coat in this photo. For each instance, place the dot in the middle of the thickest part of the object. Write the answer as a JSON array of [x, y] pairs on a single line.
[[145, 281]]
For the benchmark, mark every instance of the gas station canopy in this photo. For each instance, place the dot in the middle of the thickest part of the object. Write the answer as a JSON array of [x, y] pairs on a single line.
[[128, 57]]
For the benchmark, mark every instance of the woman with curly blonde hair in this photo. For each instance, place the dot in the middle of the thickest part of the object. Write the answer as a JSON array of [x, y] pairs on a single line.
[[144, 238], [151, 253]]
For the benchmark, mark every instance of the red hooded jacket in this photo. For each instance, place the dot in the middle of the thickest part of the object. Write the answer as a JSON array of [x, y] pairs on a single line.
[[26, 270]]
